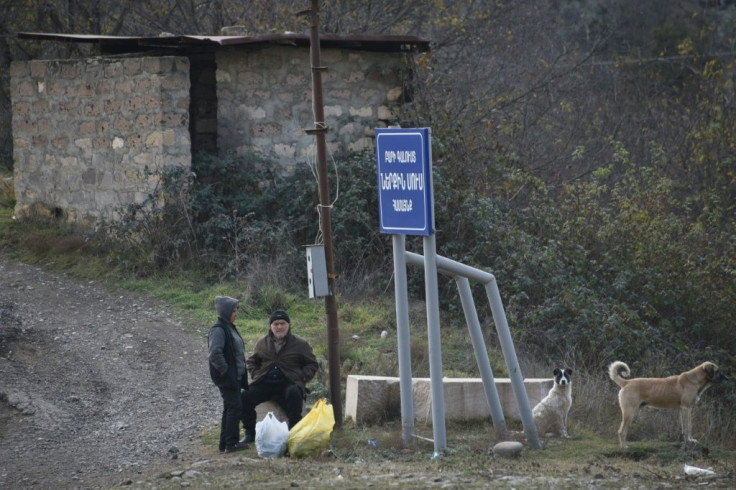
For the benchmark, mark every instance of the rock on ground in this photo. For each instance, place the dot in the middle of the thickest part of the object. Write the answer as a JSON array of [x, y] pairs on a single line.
[[508, 449]]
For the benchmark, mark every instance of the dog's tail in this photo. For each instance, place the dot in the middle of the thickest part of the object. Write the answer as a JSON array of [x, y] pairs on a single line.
[[615, 372]]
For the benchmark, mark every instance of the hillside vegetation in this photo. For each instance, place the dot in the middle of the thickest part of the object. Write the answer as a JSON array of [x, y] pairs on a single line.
[[583, 153]]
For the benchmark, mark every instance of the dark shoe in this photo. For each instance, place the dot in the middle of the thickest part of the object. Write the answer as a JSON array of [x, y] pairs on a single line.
[[221, 447], [247, 439], [235, 447]]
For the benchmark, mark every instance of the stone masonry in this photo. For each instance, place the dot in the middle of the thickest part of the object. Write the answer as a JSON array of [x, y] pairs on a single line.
[[265, 100], [90, 135]]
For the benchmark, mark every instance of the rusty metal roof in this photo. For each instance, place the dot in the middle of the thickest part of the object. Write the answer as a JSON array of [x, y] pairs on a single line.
[[129, 44]]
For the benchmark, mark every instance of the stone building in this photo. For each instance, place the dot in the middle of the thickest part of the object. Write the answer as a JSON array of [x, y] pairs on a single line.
[[90, 135]]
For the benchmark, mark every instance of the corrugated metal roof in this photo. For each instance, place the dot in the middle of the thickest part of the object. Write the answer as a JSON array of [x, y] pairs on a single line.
[[119, 44]]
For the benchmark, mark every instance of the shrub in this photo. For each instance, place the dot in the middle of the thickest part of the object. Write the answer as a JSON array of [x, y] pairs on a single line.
[[233, 215], [615, 266]]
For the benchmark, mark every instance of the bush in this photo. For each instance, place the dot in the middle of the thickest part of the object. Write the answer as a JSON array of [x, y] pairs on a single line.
[[233, 215], [615, 266]]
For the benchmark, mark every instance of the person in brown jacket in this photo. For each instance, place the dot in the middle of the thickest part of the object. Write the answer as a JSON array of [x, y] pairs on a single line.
[[280, 367]]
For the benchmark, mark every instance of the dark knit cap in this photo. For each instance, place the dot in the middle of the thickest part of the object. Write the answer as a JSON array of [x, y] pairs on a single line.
[[279, 315]]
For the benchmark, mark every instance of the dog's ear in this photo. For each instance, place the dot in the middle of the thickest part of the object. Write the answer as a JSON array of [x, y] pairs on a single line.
[[557, 372], [710, 370], [568, 371]]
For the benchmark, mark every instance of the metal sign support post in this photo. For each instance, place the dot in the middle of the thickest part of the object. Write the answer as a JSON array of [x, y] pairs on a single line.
[[512, 363], [403, 339], [461, 271], [435, 344], [481, 355]]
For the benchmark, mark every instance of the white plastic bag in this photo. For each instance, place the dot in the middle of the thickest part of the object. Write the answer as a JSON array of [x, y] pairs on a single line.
[[272, 437], [695, 471]]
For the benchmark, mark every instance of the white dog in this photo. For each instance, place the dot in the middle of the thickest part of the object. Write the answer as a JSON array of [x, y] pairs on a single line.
[[551, 412]]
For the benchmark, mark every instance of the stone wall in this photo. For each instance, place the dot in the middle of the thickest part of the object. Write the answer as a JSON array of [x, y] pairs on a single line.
[[265, 100], [89, 136], [86, 132]]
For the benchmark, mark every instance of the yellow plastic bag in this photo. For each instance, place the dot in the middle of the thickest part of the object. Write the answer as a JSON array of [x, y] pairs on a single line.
[[312, 434]]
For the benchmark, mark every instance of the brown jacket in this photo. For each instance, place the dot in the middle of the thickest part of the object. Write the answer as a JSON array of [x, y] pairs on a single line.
[[295, 359]]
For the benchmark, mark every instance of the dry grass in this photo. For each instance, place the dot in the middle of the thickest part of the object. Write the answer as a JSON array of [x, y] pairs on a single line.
[[372, 456], [7, 192]]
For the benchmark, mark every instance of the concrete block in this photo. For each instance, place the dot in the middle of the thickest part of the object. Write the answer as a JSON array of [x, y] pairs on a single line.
[[536, 389], [270, 406], [371, 399], [465, 399]]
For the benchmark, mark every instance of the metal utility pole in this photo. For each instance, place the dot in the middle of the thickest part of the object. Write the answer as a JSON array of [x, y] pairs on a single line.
[[319, 131]]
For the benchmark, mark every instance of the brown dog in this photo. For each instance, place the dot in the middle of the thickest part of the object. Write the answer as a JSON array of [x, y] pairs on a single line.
[[680, 391]]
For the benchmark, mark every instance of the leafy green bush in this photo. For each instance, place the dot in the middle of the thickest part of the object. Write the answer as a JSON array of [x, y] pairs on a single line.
[[649, 255], [614, 266], [233, 215]]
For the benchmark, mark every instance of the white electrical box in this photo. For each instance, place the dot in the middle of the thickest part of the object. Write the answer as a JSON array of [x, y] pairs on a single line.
[[317, 271]]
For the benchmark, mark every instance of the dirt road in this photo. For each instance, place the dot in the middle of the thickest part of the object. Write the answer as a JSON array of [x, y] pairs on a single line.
[[96, 387], [100, 389]]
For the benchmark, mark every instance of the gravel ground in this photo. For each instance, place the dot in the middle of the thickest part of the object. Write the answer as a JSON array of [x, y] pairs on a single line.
[[97, 388], [101, 389]]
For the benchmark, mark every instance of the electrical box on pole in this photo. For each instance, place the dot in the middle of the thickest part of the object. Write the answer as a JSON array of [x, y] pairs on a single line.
[[317, 271]]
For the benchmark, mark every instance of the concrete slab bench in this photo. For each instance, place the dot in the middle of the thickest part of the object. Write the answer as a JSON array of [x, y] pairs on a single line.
[[372, 399], [262, 410]]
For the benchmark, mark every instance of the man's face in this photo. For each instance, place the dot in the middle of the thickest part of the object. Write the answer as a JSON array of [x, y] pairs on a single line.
[[280, 328]]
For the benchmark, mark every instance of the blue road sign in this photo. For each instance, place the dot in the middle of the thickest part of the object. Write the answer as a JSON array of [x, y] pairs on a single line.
[[405, 181]]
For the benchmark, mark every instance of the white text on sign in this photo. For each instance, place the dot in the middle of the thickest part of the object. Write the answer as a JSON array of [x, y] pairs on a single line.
[[402, 205], [400, 156], [398, 181]]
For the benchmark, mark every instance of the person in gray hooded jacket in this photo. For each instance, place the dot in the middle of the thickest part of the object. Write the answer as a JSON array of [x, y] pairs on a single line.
[[227, 370]]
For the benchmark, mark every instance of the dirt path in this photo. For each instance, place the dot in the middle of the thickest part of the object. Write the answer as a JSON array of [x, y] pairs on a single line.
[[96, 388], [100, 389]]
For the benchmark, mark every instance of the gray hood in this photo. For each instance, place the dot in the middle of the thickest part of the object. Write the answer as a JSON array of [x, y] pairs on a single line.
[[224, 306]]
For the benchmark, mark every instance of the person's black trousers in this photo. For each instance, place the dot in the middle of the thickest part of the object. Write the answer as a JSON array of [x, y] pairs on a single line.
[[232, 411]]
